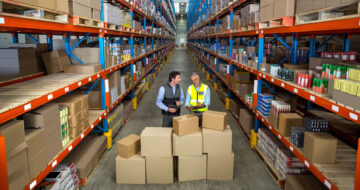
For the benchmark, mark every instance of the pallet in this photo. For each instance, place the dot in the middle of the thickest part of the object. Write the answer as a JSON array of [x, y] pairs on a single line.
[[249, 27], [278, 22], [113, 26], [21, 10], [280, 181], [339, 12], [89, 22]]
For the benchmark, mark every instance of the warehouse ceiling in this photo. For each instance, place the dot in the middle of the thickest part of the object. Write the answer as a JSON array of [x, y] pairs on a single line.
[[180, 7]]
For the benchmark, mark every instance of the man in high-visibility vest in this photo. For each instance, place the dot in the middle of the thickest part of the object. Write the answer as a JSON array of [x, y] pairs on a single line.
[[197, 97], [170, 98]]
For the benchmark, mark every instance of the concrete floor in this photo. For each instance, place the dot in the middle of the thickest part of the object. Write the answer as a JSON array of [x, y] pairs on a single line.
[[249, 173]]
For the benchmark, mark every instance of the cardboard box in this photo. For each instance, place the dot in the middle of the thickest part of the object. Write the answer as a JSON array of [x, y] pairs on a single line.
[[220, 166], [128, 146], [185, 124], [235, 24], [316, 63], [55, 60], [96, 15], [82, 68], [130, 171], [266, 2], [159, 170], [214, 120], [73, 103], [320, 147], [158, 137], [36, 151], [17, 167], [75, 120], [62, 6], [288, 120], [188, 145], [284, 8], [192, 168], [303, 182], [21, 60], [219, 142], [13, 132], [346, 99], [246, 119], [88, 55], [240, 76], [42, 116], [79, 9]]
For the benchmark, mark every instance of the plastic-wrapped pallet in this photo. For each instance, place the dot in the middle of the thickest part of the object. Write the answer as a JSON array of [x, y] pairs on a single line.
[[286, 163], [64, 176], [112, 14]]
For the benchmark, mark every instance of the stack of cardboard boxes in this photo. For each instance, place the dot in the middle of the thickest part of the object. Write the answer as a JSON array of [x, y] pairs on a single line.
[[78, 113], [55, 61], [64, 176], [56, 5], [85, 8], [16, 153], [47, 117], [205, 154], [275, 9]]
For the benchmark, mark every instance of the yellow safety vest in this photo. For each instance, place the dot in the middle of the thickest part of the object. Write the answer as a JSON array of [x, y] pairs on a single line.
[[198, 96]]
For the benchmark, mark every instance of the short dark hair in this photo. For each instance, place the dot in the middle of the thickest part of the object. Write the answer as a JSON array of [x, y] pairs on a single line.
[[173, 75]]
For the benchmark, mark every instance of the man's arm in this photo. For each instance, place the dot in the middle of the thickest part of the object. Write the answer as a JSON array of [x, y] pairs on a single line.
[[207, 97], [188, 96], [160, 98], [182, 99]]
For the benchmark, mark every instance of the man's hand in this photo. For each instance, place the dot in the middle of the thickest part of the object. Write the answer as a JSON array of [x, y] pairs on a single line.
[[188, 108], [178, 103], [198, 104], [172, 110]]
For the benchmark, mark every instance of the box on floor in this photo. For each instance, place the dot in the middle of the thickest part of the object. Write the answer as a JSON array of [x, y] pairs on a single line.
[[131, 170], [218, 142], [185, 124], [188, 145], [159, 170], [156, 137], [214, 120], [220, 166], [128, 146], [192, 168]]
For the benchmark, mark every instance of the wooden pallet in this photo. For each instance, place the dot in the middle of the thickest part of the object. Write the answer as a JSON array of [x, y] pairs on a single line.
[[113, 26], [21, 10], [249, 27], [339, 12], [89, 22], [278, 22], [280, 181]]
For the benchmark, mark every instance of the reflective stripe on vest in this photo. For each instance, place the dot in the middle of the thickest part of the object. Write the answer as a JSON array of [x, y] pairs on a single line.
[[198, 96]]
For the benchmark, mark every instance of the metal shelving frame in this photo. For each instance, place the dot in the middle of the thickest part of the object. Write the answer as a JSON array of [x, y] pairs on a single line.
[[15, 25], [200, 45]]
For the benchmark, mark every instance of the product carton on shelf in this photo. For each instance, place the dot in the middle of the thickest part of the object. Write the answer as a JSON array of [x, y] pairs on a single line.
[[217, 142], [288, 120], [131, 170], [82, 68], [214, 120], [36, 151], [158, 137], [320, 147], [185, 124], [128, 146]]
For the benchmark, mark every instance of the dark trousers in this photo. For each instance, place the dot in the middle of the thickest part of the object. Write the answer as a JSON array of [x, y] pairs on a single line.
[[199, 115], [168, 120]]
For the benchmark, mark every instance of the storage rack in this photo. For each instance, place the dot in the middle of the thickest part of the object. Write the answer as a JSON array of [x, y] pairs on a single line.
[[19, 24], [200, 47]]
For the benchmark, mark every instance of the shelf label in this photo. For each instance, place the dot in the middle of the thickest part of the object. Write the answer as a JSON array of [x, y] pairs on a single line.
[[100, 118], [262, 119], [282, 84], [260, 74], [89, 79], [98, 75], [33, 184], [27, 106], [67, 89], [296, 90], [335, 108], [50, 96], [353, 116], [82, 136], [70, 148], [92, 126], [270, 127], [279, 136], [272, 79], [312, 98], [105, 114], [54, 164], [106, 85], [264, 76], [255, 86], [306, 163], [79, 83], [291, 148], [328, 185]]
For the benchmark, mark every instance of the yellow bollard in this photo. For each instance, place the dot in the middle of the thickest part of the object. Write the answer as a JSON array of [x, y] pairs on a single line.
[[215, 86], [203, 69], [109, 138], [227, 103], [134, 103], [147, 86], [207, 76], [253, 138], [154, 76], [159, 70]]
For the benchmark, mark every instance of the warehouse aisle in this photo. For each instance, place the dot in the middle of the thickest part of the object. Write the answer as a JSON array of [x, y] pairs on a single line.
[[249, 173]]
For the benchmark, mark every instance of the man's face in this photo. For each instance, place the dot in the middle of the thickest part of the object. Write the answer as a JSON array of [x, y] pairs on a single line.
[[177, 79], [195, 80]]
